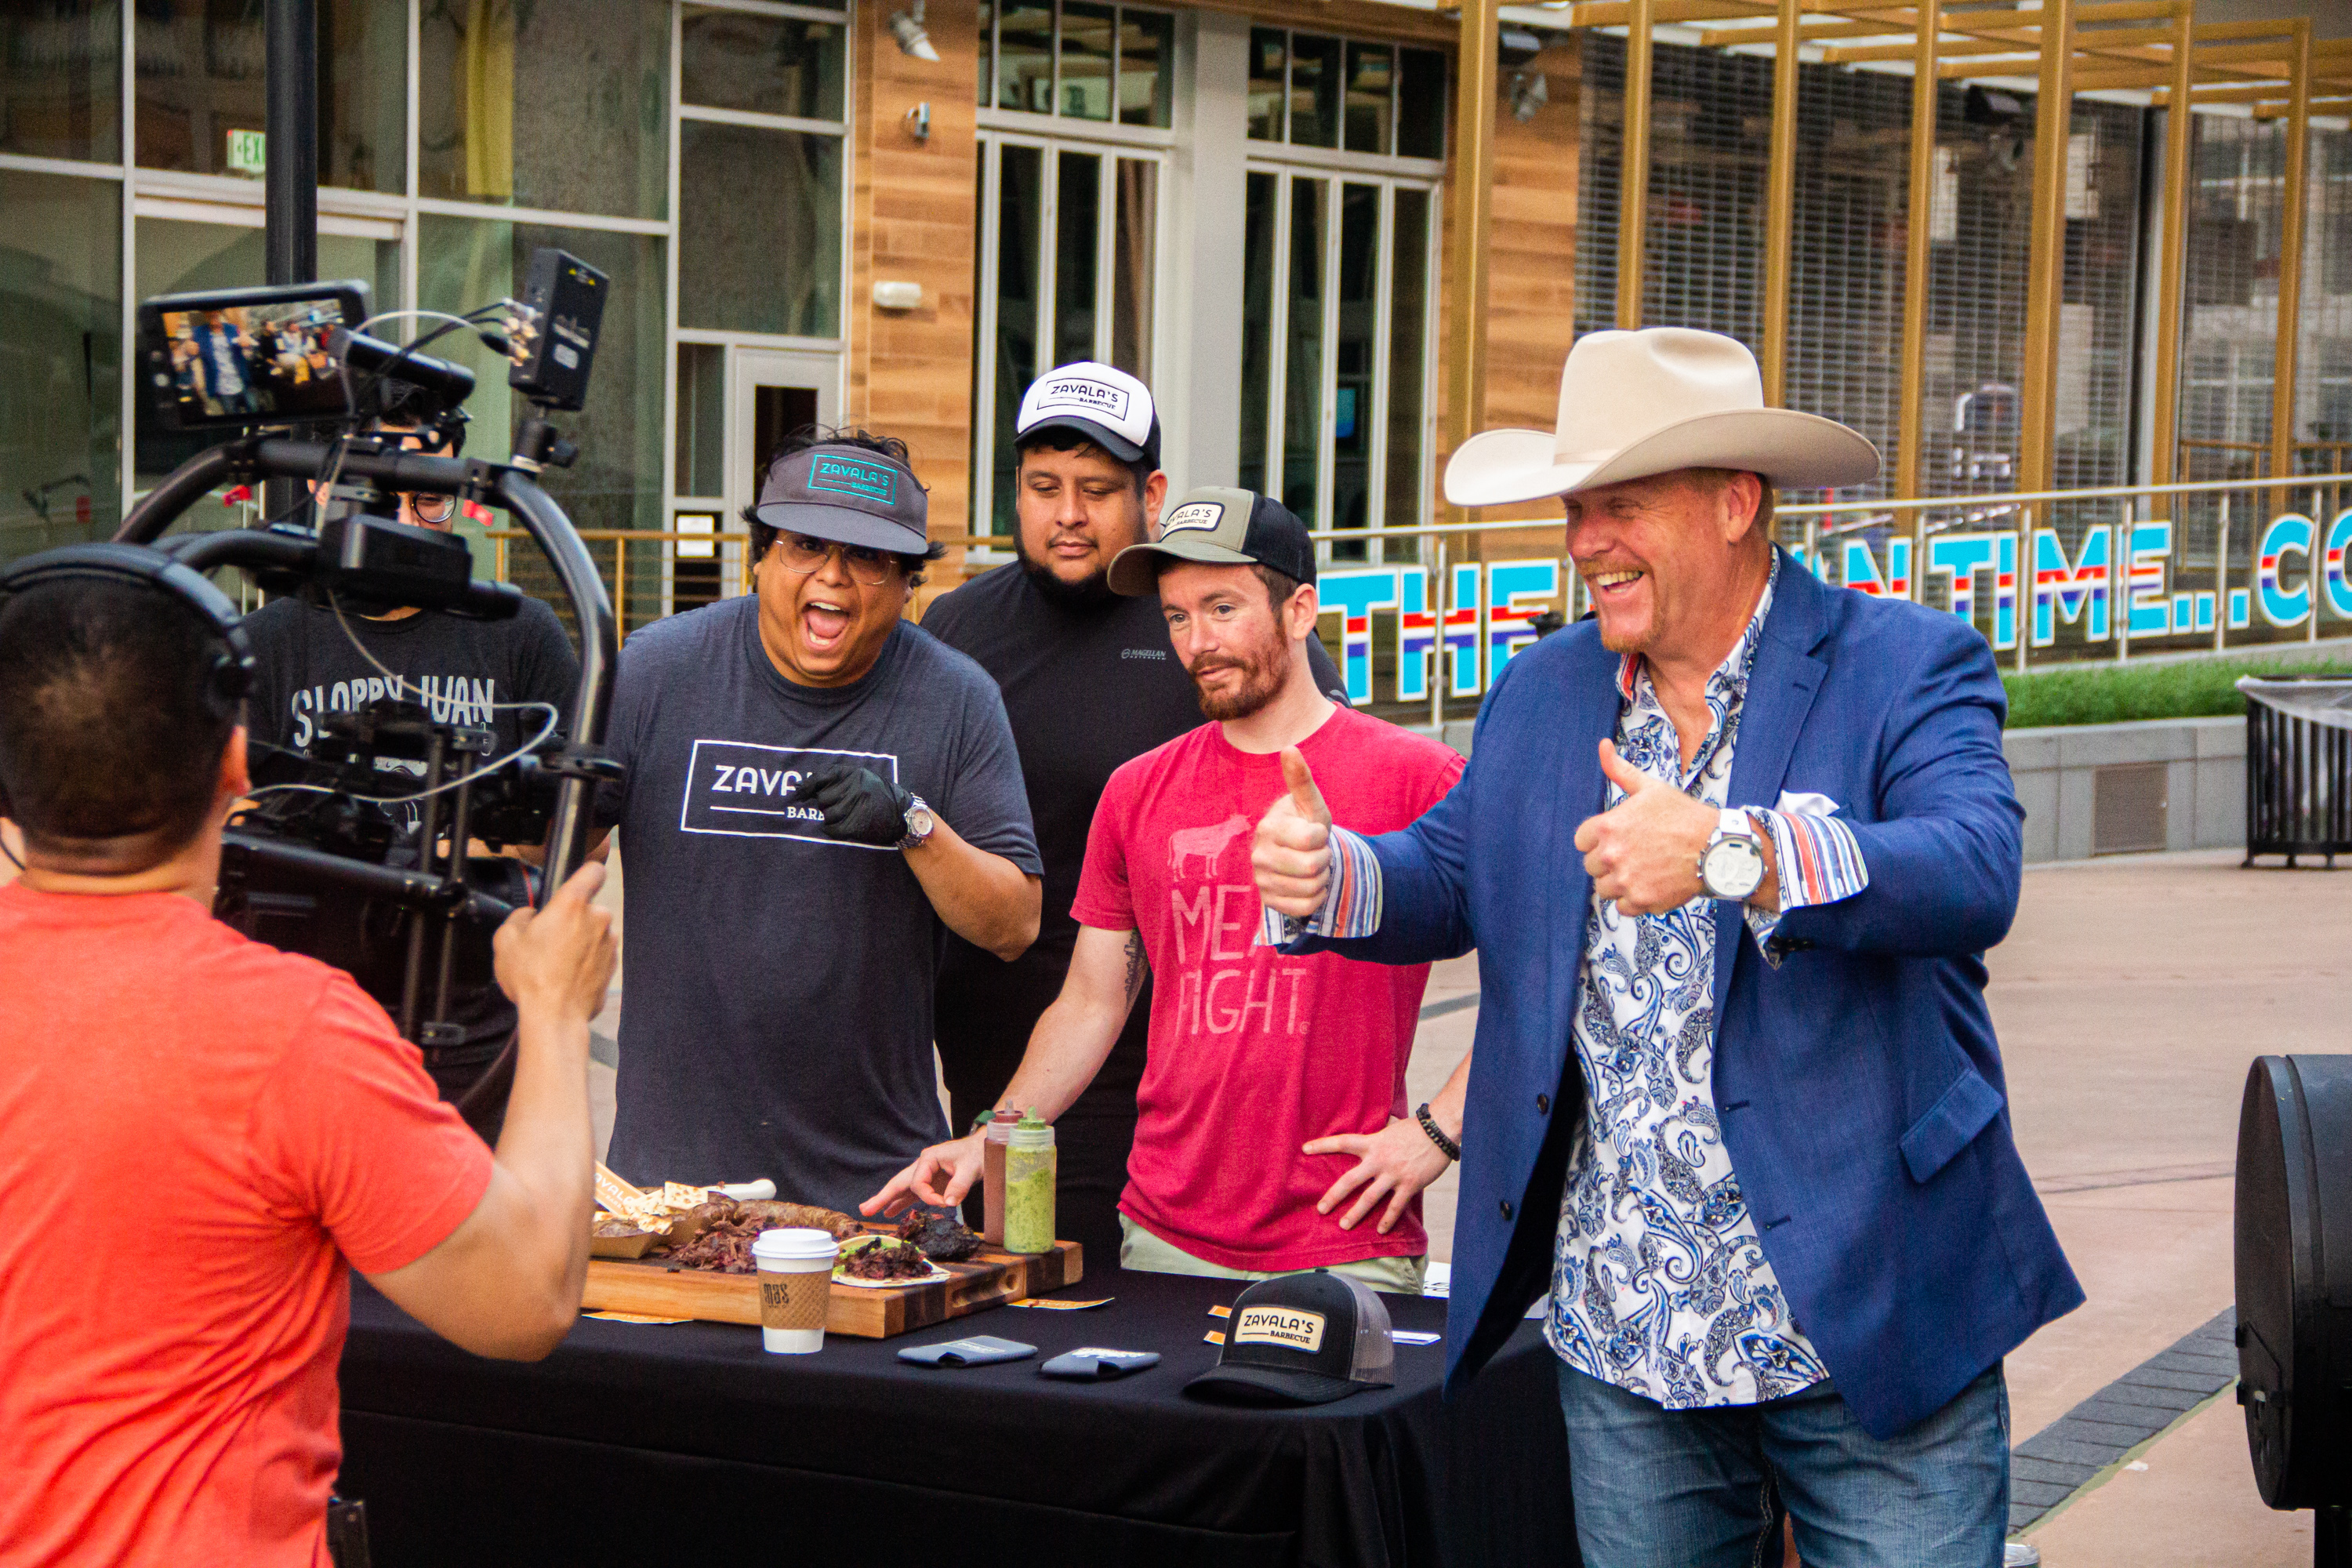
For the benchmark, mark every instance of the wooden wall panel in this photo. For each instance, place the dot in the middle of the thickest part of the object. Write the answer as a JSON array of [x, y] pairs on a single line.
[[912, 206]]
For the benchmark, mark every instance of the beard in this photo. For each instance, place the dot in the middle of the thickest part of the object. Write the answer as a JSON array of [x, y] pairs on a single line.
[[1262, 669], [1089, 592]]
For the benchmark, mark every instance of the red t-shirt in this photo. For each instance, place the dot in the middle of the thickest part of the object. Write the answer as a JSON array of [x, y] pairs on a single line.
[[195, 1131], [1253, 1053]]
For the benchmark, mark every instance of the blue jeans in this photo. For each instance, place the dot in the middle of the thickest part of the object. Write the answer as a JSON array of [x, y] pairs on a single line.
[[1704, 1489]]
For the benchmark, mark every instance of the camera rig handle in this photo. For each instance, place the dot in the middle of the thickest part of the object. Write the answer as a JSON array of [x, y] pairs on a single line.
[[507, 486]]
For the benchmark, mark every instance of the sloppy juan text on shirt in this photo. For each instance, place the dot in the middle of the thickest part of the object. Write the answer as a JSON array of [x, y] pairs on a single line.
[[1222, 982], [451, 699]]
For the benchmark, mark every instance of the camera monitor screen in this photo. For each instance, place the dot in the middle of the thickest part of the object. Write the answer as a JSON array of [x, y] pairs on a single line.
[[249, 357]]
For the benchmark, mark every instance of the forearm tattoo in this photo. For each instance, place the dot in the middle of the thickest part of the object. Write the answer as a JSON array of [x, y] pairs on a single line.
[[1137, 969]]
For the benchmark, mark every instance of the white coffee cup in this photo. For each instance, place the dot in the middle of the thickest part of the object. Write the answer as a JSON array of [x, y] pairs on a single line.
[[796, 1275]]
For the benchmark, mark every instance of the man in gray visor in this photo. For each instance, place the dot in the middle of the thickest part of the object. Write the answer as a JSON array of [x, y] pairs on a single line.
[[816, 787]]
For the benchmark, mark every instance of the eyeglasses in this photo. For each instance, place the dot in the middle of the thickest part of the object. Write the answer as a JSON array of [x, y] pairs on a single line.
[[430, 508], [803, 554]]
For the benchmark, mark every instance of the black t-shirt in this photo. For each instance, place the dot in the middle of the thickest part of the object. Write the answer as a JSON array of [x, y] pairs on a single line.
[[306, 665], [1088, 689], [779, 982]]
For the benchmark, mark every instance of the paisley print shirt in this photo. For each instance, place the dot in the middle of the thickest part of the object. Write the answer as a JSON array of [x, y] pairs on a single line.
[[1659, 1284]]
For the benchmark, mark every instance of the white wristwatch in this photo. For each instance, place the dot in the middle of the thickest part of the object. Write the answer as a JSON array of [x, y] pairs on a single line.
[[919, 822], [1732, 864]]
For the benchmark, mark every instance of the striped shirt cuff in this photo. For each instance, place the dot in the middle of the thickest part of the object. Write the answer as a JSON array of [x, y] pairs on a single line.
[[1351, 908], [1819, 863]]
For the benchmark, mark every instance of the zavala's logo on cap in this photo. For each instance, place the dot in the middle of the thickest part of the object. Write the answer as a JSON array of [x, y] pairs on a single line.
[[1199, 514], [1085, 395], [848, 476], [1279, 1326]]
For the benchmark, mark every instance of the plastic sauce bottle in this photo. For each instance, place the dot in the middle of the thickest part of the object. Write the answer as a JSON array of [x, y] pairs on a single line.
[[992, 1179], [1029, 1164]]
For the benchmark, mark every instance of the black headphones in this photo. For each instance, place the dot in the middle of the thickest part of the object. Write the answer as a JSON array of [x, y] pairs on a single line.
[[231, 673]]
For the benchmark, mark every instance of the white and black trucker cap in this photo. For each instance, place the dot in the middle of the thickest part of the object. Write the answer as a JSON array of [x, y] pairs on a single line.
[[1303, 1339], [849, 494], [1100, 401]]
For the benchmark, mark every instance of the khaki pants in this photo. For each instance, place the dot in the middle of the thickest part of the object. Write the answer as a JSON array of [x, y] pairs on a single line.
[[1139, 1249]]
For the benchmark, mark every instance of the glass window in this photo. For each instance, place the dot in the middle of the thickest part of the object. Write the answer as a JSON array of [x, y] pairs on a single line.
[[1371, 69], [766, 65], [1314, 90], [1087, 33], [1020, 219], [1353, 357], [1408, 338], [987, 51], [1421, 104], [61, 81], [759, 229], [201, 90], [1134, 229], [1302, 402], [174, 255], [701, 420], [1269, 52], [1257, 327], [594, 75], [1147, 55], [1079, 186], [1025, 58], [60, 360]]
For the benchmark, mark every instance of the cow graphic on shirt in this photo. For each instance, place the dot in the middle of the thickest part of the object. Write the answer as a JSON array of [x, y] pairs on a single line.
[[1207, 844]]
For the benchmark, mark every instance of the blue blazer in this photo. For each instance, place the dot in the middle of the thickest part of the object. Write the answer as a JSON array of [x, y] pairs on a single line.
[[1859, 1083]]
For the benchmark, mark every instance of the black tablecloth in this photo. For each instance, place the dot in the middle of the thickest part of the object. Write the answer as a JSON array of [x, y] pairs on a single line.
[[640, 1443]]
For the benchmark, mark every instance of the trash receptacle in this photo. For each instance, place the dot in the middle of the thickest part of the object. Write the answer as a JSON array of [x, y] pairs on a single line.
[[2298, 765]]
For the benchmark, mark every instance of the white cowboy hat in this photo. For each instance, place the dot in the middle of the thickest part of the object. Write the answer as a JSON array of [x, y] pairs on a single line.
[[1636, 404]]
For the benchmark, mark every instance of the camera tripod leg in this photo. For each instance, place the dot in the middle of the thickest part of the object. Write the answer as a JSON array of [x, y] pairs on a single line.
[[413, 980], [2331, 1538]]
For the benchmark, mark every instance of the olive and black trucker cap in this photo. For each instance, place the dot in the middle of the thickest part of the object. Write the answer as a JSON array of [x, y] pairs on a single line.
[[1303, 1339], [1219, 527], [851, 495], [1099, 401]]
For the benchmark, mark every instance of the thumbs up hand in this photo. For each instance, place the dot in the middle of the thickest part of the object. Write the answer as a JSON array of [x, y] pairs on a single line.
[[1291, 856], [1643, 851]]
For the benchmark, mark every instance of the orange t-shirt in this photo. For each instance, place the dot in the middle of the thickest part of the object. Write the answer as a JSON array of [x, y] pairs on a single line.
[[195, 1131]]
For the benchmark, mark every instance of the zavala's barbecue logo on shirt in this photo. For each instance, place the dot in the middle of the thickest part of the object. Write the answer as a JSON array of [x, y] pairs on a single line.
[[743, 791]]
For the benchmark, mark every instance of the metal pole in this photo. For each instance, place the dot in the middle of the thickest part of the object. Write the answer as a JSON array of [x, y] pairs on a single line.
[[1633, 166], [2179, 141], [2221, 580], [2290, 273], [2046, 261], [1437, 646], [1919, 219], [1473, 178], [290, 170], [290, 178], [1780, 204]]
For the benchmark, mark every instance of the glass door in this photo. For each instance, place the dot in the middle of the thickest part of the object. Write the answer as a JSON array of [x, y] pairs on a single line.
[[735, 406]]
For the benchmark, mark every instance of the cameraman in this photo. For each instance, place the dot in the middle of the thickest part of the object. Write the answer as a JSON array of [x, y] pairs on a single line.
[[311, 661], [200, 1135]]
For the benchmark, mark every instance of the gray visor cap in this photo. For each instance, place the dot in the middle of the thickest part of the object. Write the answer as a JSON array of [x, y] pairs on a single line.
[[848, 495]]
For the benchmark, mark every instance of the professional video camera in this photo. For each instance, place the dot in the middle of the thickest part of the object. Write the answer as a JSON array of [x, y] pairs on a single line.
[[355, 851]]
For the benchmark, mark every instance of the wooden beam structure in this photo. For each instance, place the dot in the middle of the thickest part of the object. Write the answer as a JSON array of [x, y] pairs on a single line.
[[2045, 268], [1918, 220], [1633, 166], [1780, 205], [2290, 265], [2179, 141], [1473, 186]]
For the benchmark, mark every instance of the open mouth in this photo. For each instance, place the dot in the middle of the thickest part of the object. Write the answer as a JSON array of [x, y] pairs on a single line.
[[824, 625], [1608, 587]]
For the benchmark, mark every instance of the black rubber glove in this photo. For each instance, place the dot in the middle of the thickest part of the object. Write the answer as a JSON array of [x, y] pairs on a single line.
[[860, 805]]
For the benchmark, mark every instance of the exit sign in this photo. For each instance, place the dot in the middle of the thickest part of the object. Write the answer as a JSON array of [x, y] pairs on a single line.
[[246, 154]]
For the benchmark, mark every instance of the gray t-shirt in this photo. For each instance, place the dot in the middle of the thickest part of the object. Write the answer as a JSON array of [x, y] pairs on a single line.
[[776, 985]]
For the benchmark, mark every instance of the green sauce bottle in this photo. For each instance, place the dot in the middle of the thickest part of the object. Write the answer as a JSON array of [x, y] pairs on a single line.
[[1029, 1163]]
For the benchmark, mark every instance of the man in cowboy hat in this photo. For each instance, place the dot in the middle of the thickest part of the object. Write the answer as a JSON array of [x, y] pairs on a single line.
[[1729, 856]]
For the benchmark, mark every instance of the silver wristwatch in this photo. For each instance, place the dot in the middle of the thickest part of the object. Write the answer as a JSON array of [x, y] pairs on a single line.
[[919, 822], [1732, 864]]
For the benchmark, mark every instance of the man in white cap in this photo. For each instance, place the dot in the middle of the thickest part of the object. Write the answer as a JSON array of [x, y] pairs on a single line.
[[1089, 681], [1729, 856]]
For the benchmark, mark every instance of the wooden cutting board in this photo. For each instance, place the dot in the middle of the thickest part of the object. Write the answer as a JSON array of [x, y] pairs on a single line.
[[655, 1289]]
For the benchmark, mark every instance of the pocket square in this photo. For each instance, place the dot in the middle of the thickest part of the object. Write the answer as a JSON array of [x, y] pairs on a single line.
[[1804, 802]]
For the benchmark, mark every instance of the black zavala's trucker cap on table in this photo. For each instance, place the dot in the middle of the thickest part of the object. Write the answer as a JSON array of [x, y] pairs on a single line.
[[1303, 1339]]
